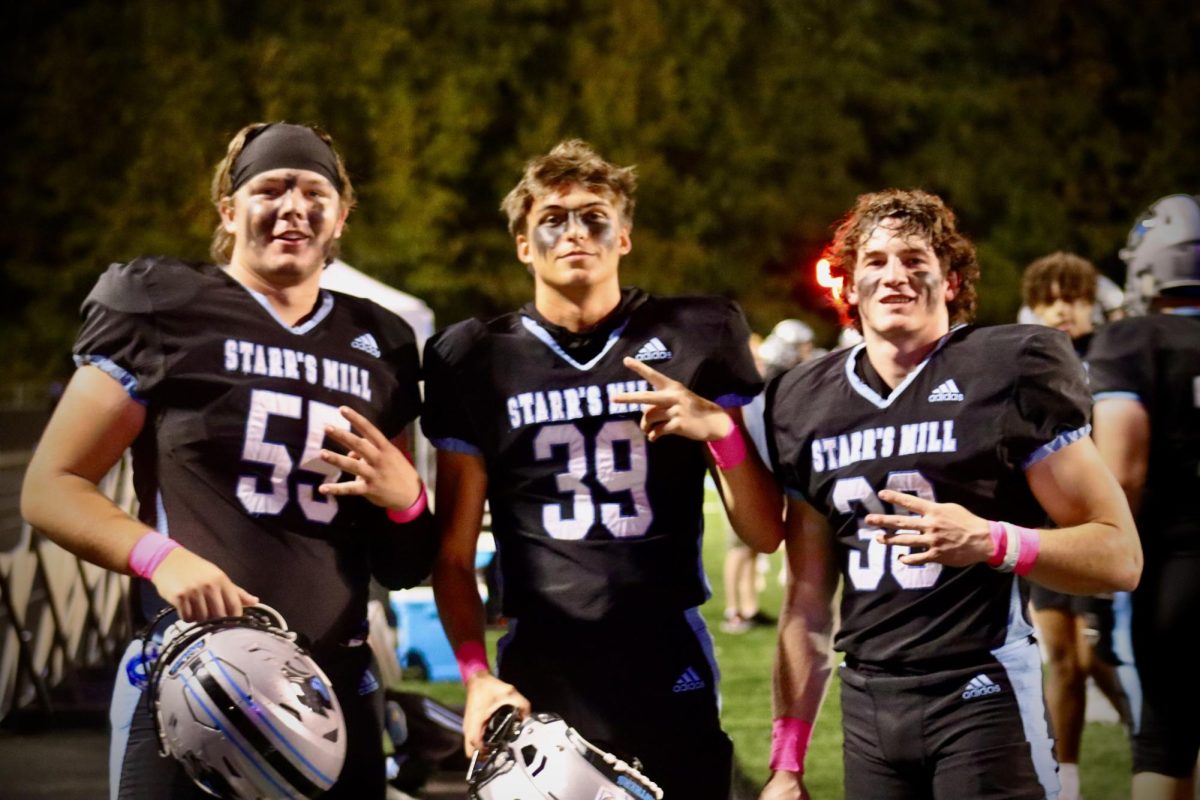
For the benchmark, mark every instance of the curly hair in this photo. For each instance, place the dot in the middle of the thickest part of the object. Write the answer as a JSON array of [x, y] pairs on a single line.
[[1075, 276], [570, 162], [919, 214], [221, 248]]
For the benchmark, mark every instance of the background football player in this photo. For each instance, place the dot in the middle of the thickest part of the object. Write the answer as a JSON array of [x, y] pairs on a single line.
[[1145, 374], [598, 533], [1076, 631], [899, 458], [228, 379]]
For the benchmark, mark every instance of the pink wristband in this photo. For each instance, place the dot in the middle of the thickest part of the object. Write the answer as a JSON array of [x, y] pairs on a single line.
[[401, 516], [472, 659], [999, 543], [149, 552], [789, 742], [1031, 543], [730, 450]]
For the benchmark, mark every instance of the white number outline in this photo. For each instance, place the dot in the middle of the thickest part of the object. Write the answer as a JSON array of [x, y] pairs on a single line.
[[584, 506], [257, 449], [865, 570]]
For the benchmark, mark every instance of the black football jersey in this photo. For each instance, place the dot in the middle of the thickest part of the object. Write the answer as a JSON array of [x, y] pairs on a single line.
[[236, 408], [1156, 359], [961, 428], [592, 521]]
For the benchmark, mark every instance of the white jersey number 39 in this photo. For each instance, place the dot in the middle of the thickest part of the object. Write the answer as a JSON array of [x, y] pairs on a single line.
[[867, 568], [574, 523]]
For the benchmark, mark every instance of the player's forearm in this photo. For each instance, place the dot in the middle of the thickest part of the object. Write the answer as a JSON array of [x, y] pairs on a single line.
[[1091, 558], [803, 661], [754, 506], [752, 500], [74, 514], [458, 602]]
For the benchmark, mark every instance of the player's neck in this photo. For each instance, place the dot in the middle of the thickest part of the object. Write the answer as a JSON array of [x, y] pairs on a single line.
[[290, 303], [576, 310], [894, 357]]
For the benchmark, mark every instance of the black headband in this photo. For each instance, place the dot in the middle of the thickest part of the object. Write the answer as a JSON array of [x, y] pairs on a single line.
[[284, 146]]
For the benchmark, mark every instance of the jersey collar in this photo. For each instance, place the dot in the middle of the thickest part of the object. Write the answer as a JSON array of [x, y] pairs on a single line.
[[324, 307], [541, 333], [870, 395], [554, 336]]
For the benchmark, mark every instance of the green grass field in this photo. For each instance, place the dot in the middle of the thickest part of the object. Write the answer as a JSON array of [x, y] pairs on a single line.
[[745, 662]]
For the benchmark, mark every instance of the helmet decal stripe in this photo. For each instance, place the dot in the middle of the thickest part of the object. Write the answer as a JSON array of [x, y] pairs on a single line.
[[283, 739], [217, 723], [257, 740]]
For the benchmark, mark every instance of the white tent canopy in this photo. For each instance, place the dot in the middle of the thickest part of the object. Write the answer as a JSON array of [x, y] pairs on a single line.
[[342, 277]]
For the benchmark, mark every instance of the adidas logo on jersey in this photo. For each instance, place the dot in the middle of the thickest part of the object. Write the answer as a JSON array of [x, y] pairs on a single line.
[[653, 350], [366, 342], [979, 686], [689, 681], [947, 392]]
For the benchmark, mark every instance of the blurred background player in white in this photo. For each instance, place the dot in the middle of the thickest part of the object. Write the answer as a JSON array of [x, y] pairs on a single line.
[[245, 391], [789, 343], [1145, 374], [1076, 631]]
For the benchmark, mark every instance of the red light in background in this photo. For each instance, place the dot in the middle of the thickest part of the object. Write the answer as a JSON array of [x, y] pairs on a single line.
[[827, 280]]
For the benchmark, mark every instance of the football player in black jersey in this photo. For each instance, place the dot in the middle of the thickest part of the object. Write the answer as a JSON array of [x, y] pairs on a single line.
[[1145, 374], [915, 466], [598, 533], [245, 391]]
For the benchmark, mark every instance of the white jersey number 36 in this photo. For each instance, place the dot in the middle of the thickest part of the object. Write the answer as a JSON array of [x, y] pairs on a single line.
[[867, 568], [575, 517]]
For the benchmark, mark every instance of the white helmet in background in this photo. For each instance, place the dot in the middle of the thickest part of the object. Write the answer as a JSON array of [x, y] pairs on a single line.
[[788, 344], [792, 331], [1162, 254], [541, 758], [245, 710]]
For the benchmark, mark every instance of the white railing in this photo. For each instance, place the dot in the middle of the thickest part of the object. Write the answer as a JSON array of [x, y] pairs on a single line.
[[58, 614]]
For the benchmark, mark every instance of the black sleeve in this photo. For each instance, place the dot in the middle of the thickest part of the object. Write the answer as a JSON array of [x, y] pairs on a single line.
[[401, 554], [783, 443], [1050, 405], [120, 332], [729, 375], [406, 365], [1118, 360], [444, 415]]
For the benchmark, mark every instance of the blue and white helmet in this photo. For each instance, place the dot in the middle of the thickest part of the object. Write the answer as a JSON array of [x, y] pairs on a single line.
[[1162, 254], [541, 758], [245, 710]]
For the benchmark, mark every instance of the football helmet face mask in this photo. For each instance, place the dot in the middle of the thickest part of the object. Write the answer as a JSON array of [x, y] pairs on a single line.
[[245, 710], [1162, 254], [541, 758]]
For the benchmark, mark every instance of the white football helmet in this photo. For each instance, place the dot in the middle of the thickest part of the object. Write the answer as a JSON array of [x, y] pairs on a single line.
[[1163, 252], [541, 758], [245, 710]]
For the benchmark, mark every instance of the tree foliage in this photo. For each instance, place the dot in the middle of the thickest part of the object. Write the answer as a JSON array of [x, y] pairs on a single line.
[[754, 124]]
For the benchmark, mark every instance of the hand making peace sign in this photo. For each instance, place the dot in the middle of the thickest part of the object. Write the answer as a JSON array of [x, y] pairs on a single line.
[[950, 534], [672, 408], [382, 473]]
